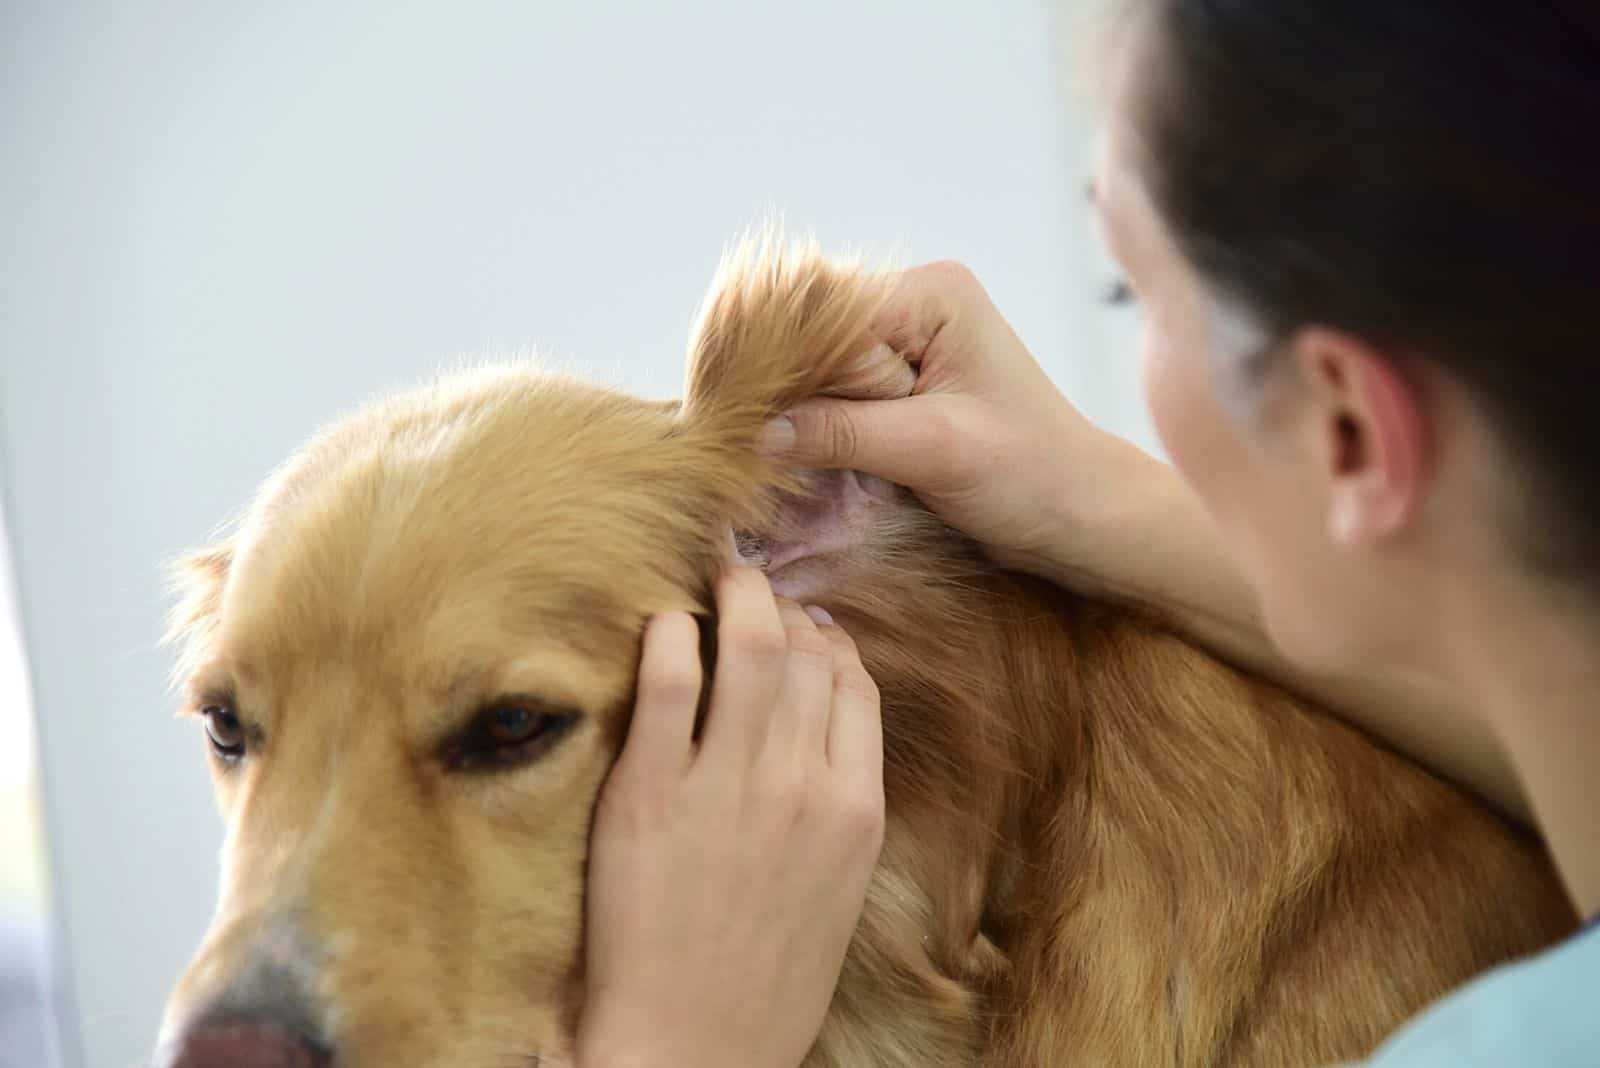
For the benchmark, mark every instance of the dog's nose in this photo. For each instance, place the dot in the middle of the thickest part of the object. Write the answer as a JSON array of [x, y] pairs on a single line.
[[244, 1045], [262, 1014]]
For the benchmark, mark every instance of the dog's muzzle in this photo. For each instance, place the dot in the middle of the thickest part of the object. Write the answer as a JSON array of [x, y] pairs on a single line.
[[263, 1016], [243, 1045]]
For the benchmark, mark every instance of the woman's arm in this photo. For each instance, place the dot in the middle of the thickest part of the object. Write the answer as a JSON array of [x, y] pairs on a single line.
[[987, 441]]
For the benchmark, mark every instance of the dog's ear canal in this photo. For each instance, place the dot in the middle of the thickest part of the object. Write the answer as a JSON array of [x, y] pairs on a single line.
[[707, 624]]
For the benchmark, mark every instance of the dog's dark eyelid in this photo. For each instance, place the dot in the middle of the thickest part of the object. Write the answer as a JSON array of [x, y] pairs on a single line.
[[203, 700], [474, 747]]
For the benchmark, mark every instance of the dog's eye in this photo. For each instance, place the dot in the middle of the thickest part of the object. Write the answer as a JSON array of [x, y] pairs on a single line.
[[512, 724], [507, 733], [227, 734]]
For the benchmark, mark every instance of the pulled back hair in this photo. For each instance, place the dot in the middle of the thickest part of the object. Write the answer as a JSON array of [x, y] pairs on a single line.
[[1422, 173]]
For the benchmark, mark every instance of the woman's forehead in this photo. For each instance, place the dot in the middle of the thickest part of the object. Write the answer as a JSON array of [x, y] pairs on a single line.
[[1127, 218]]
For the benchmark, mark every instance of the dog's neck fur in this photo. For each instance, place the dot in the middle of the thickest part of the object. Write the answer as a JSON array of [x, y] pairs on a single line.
[[974, 669], [1036, 781]]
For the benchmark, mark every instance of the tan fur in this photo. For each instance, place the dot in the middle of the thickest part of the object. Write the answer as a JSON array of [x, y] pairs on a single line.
[[1104, 848]]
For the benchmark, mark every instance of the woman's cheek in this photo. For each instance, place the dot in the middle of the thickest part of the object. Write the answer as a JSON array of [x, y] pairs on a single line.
[[1175, 398], [1204, 443]]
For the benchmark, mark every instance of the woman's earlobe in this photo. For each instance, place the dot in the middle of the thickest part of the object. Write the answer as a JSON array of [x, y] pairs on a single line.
[[1365, 508]]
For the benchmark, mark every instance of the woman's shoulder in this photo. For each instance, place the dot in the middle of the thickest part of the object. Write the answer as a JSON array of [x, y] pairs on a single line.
[[1544, 1010]]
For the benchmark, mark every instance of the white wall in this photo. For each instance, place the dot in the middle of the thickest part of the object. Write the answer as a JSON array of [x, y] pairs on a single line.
[[29, 1017], [226, 222]]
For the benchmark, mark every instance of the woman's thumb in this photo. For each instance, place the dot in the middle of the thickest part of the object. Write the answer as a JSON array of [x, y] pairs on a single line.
[[892, 439]]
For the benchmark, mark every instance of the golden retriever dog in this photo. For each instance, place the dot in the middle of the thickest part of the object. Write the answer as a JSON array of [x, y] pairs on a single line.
[[415, 660]]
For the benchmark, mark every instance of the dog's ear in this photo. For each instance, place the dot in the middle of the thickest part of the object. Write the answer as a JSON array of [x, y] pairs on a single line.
[[782, 324], [197, 579]]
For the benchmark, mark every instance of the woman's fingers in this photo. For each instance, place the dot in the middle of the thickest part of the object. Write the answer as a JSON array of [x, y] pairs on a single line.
[[660, 738], [797, 735], [907, 441], [756, 861], [923, 302], [880, 373], [751, 652], [914, 428], [855, 722]]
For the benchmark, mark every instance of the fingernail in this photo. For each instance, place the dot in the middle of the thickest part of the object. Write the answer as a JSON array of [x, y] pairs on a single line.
[[819, 616], [779, 436]]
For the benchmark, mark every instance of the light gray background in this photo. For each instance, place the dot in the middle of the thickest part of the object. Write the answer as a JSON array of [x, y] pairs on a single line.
[[225, 223]]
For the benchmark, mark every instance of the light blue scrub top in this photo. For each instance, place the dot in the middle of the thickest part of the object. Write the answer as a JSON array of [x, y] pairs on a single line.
[[1543, 1012]]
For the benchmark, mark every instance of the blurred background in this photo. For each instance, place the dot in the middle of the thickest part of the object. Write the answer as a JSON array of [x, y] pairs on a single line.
[[226, 223]]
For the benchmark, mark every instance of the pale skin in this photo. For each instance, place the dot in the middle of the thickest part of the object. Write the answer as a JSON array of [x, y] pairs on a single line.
[[755, 844], [1339, 527]]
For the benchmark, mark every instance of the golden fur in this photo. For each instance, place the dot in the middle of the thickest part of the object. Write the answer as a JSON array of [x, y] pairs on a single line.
[[1103, 847]]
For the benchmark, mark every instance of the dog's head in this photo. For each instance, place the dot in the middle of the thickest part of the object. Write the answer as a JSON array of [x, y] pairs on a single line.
[[415, 657]]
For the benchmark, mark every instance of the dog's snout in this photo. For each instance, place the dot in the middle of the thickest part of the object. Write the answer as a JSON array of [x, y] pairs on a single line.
[[262, 1015], [244, 1045]]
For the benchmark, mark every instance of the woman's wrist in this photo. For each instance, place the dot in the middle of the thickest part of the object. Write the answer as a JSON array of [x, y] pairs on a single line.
[[1130, 531], [1098, 528]]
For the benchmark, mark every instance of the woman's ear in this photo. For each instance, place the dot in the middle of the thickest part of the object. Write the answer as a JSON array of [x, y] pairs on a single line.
[[1370, 439]]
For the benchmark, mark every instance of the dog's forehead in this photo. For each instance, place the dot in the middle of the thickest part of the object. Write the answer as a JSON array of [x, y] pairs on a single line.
[[511, 503]]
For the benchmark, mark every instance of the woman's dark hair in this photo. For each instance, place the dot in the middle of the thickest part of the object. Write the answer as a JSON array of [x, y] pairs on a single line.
[[1422, 173]]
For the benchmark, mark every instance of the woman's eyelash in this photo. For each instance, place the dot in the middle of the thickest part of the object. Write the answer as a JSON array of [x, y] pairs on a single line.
[[1119, 293]]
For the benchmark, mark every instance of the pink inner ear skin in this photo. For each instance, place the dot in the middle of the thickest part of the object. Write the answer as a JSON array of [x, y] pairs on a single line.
[[801, 554]]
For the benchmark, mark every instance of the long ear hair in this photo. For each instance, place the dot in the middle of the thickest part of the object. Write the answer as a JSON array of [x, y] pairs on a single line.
[[780, 324]]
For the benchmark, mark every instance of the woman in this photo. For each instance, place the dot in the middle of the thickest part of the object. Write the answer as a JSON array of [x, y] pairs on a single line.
[[1366, 240]]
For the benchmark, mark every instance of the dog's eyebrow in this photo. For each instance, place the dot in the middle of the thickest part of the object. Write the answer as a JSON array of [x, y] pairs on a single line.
[[476, 681], [466, 678], [210, 685], [465, 691]]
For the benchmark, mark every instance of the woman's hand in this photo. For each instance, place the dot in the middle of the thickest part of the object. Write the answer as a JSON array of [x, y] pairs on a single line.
[[985, 439], [727, 878]]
